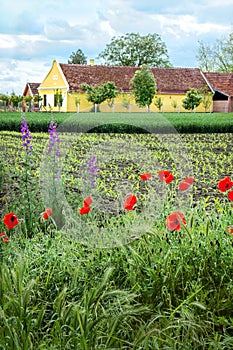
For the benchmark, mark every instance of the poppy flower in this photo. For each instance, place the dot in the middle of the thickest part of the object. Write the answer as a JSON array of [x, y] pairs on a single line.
[[4, 237], [146, 176], [230, 195], [130, 202], [184, 185], [165, 176], [230, 230], [173, 221], [48, 212], [10, 220], [225, 184], [84, 210], [87, 201]]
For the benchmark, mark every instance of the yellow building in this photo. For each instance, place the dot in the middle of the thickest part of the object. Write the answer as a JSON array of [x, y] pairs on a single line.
[[60, 90]]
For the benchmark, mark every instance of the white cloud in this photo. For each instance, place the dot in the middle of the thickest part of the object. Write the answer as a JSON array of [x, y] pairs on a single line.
[[33, 34]]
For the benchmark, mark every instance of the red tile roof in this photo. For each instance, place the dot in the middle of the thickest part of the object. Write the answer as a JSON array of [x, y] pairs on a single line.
[[32, 88], [222, 82], [168, 80]]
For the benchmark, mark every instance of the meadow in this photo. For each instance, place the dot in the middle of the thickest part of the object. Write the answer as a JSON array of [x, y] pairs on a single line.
[[110, 277]]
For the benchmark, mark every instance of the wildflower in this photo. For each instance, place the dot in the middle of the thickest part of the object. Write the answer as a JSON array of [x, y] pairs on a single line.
[[230, 195], [185, 184], [130, 202], [229, 230], [10, 220], [165, 176], [86, 206], [84, 210], [54, 141], [26, 136], [93, 169], [173, 221], [146, 176], [87, 201], [225, 184], [4, 237], [48, 212]]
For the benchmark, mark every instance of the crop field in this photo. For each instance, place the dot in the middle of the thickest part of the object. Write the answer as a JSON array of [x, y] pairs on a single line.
[[89, 259]]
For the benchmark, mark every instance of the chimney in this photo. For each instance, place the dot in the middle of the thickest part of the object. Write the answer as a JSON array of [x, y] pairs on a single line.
[[92, 62]]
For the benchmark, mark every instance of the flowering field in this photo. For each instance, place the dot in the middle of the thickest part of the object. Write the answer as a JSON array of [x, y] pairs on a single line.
[[113, 241]]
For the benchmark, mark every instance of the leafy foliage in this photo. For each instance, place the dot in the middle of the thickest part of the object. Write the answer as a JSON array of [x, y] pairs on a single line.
[[193, 99], [78, 57], [217, 57], [133, 49], [144, 86], [100, 93]]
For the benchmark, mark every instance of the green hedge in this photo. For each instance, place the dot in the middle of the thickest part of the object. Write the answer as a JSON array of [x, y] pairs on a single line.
[[123, 122]]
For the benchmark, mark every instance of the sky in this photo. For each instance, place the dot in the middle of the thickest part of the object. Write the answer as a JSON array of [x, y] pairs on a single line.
[[33, 33]]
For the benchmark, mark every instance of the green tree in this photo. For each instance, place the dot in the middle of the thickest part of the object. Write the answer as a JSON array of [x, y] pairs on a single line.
[[100, 93], [158, 103], [133, 49], [144, 87], [193, 99], [217, 57], [78, 57]]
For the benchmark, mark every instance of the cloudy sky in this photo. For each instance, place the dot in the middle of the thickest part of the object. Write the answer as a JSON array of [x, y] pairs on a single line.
[[35, 32]]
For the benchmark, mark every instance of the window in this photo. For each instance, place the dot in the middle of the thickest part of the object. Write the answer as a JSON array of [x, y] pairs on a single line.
[[45, 100]]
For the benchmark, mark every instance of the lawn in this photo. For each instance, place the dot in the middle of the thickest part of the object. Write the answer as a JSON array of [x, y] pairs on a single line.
[[115, 278]]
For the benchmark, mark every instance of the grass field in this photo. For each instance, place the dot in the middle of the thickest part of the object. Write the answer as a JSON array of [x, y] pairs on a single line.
[[112, 278]]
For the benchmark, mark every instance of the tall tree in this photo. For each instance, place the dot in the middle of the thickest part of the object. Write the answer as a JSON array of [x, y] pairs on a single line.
[[78, 57], [217, 57], [144, 87], [133, 49]]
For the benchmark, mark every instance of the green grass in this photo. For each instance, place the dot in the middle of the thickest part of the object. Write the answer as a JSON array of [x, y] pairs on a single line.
[[151, 122], [162, 290]]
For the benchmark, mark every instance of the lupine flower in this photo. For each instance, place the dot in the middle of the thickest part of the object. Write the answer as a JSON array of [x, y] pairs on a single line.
[[54, 141], [4, 237], [186, 183], [130, 202], [10, 220], [26, 136], [93, 171], [48, 212], [225, 184], [174, 220], [165, 176], [146, 176]]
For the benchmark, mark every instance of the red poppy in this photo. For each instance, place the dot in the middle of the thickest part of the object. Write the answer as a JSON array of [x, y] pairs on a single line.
[[87, 201], [84, 210], [10, 220], [230, 195], [146, 176], [173, 221], [48, 212], [165, 176], [230, 230], [184, 185], [225, 184], [130, 202], [4, 237]]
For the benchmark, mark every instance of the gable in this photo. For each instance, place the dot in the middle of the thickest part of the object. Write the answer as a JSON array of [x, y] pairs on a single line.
[[54, 79], [221, 82]]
